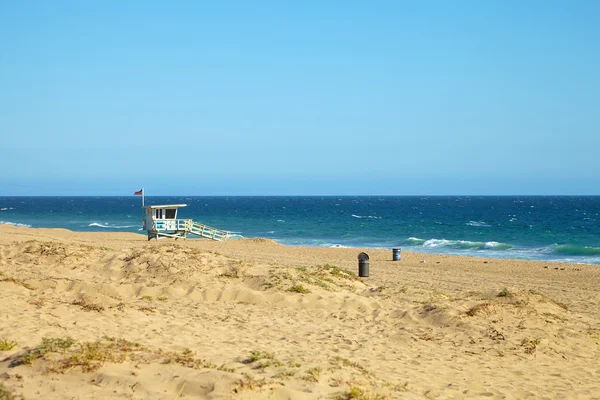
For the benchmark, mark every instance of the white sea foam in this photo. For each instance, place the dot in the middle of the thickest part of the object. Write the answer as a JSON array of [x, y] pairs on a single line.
[[436, 243], [338, 246], [491, 245], [14, 224], [366, 216], [280, 220], [460, 244], [477, 223], [99, 225]]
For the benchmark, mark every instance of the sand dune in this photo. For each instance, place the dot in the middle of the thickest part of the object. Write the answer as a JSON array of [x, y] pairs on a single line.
[[102, 315]]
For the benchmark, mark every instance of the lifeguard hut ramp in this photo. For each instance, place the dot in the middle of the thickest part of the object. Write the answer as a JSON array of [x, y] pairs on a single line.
[[161, 221]]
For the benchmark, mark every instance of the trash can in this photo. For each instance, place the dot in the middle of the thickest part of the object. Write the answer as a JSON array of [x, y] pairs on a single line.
[[363, 265], [396, 254]]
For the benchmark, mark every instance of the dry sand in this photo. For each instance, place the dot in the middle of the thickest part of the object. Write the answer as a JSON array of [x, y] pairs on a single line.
[[107, 315]]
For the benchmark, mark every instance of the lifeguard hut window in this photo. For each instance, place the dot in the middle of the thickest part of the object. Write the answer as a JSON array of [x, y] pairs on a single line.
[[170, 213]]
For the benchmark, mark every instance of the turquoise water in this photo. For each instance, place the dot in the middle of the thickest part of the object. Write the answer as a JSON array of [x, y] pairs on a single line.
[[541, 228]]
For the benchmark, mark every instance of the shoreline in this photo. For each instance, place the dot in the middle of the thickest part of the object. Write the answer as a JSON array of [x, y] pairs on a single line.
[[6, 227]]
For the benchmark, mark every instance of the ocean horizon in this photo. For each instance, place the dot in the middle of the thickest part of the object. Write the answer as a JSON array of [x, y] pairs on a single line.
[[551, 228]]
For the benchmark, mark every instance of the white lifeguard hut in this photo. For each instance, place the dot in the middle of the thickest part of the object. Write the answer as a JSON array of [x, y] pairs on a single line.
[[160, 221]]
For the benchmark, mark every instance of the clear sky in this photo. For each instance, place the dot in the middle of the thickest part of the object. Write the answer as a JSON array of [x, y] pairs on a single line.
[[299, 98]]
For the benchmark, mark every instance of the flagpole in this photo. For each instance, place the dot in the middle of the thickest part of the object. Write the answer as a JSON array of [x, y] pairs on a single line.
[[142, 197]]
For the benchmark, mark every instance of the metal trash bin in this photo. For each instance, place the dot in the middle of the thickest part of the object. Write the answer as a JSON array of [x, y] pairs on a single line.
[[363, 265], [396, 254]]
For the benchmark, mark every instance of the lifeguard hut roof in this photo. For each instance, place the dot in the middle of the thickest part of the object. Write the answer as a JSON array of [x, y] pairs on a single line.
[[167, 206]]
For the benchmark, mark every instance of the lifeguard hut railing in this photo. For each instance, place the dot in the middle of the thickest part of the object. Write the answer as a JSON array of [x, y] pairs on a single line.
[[181, 227]]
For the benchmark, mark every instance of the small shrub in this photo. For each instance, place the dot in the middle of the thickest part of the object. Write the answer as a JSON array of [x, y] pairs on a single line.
[[530, 346], [505, 293], [299, 289], [268, 363], [339, 272], [284, 374], [90, 356], [88, 306], [187, 359], [266, 359], [356, 393], [312, 375], [318, 282], [6, 345], [256, 355], [49, 345], [353, 364], [226, 369], [251, 383], [162, 298], [478, 309]]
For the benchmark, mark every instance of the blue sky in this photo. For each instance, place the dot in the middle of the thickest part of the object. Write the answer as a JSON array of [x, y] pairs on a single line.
[[313, 97]]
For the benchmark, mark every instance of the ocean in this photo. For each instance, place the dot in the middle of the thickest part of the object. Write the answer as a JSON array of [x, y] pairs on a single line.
[[563, 228]]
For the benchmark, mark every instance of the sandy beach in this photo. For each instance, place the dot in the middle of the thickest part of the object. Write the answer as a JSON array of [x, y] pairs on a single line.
[[111, 315]]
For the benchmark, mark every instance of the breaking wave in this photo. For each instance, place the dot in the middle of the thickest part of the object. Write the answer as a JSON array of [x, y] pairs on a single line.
[[366, 216], [14, 224], [457, 244], [415, 241], [581, 253], [570, 250], [109, 226]]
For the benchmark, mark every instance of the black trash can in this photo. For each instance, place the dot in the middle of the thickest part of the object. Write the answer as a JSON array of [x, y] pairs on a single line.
[[396, 254], [363, 265]]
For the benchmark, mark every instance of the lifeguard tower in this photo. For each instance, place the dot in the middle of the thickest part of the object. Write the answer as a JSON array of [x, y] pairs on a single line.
[[161, 222]]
